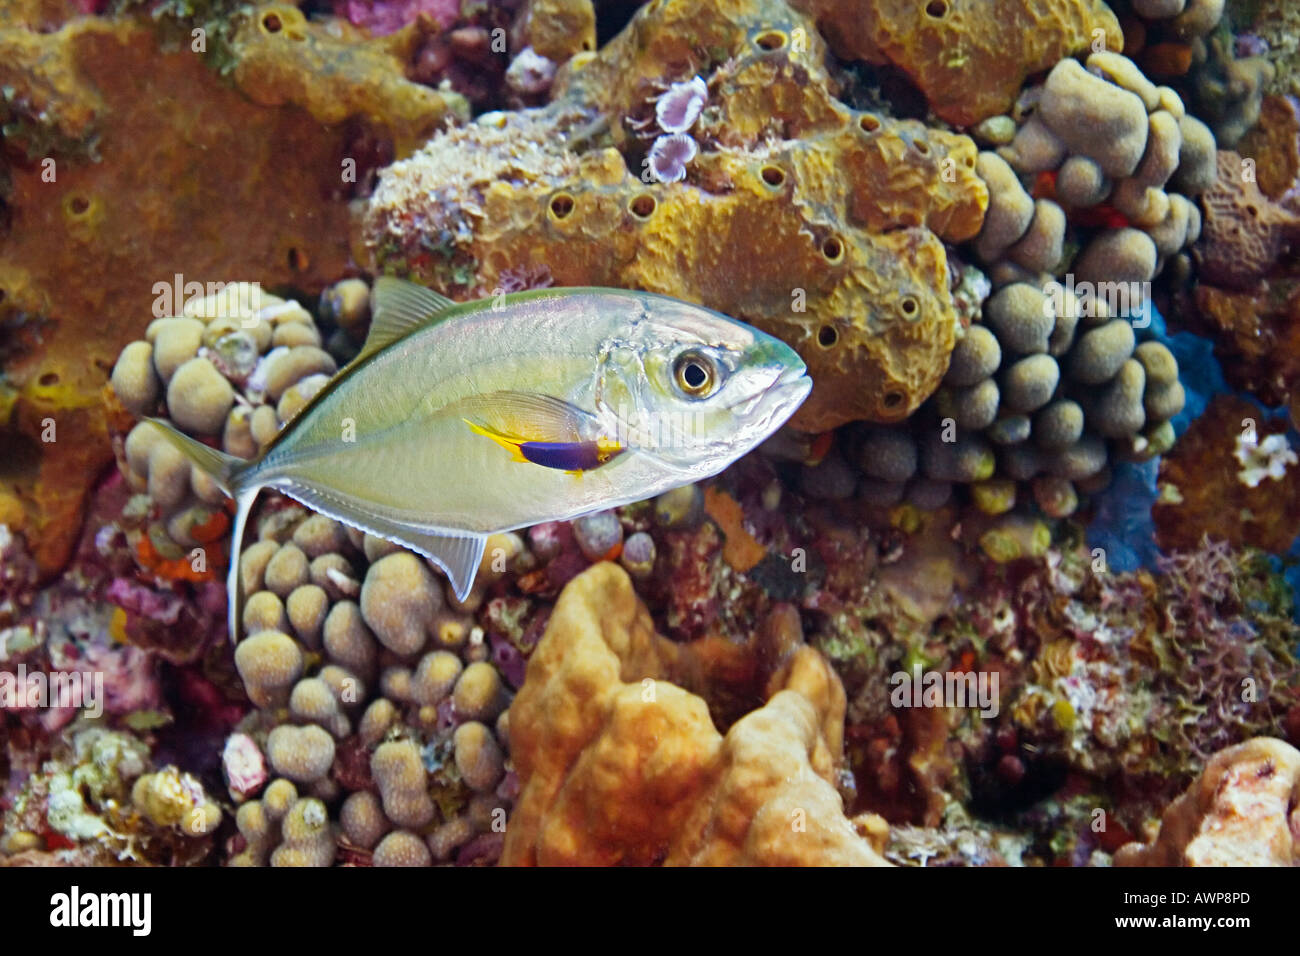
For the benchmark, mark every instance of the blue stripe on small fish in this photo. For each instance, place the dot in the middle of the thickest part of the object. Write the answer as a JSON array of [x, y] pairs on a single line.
[[568, 455]]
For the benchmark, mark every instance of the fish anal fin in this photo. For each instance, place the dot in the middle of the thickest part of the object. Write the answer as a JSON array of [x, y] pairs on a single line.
[[457, 553]]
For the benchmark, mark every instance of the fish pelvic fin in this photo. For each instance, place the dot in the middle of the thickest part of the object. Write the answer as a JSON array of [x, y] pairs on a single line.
[[234, 476]]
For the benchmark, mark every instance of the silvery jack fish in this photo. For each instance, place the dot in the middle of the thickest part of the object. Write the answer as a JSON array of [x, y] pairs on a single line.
[[459, 420]]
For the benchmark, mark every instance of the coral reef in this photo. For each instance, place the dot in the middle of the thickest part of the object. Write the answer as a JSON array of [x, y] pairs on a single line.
[[1193, 48], [1115, 157], [161, 124], [1055, 379], [859, 201], [1113, 687], [1204, 491], [1247, 297], [232, 367], [619, 765], [1241, 811], [963, 218], [96, 803], [1276, 24], [369, 683], [940, 45], [381, 17], [1244, 232], [280, 57], [1274, 146], [1152, 674], [1040, 425]]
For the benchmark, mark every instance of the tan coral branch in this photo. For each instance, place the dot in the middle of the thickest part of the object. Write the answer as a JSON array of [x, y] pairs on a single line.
[[620, 766]]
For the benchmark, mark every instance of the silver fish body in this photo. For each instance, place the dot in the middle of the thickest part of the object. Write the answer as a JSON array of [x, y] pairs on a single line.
[[432, 438]]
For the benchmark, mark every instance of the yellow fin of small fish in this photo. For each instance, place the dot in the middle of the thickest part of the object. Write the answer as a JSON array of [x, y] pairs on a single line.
[[396, 308], [509, 444]]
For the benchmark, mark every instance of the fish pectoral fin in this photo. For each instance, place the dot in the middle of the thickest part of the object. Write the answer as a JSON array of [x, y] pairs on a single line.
[[458, 553], [397, 307], [528, 416]]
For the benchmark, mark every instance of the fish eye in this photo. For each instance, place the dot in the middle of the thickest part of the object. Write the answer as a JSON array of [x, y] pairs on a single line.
[[695, 374]]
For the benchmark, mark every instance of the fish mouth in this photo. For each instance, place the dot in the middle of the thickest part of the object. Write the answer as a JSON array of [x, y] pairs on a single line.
[[778, 401], [782, 391], [793, 379]]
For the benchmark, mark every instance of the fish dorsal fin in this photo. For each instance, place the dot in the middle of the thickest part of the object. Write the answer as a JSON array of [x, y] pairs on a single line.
[[397, 307], [458, 553]]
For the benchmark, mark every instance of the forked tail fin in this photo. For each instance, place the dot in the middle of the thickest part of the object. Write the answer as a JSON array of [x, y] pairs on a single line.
[[224, 469], [234, 476]]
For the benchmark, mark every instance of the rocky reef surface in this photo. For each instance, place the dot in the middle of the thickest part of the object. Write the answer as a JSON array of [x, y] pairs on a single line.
[[1016, 587]]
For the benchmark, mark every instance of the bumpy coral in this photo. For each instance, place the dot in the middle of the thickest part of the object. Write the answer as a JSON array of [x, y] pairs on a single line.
[[1116, 158], [380, 702], [233, 367], [859, 202], [1244, 810], [618, 765], [1030, 410], [1051, 381], [942, 44]]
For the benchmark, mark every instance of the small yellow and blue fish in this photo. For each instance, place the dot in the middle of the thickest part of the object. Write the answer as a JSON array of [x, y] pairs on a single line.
[[459, 420]]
